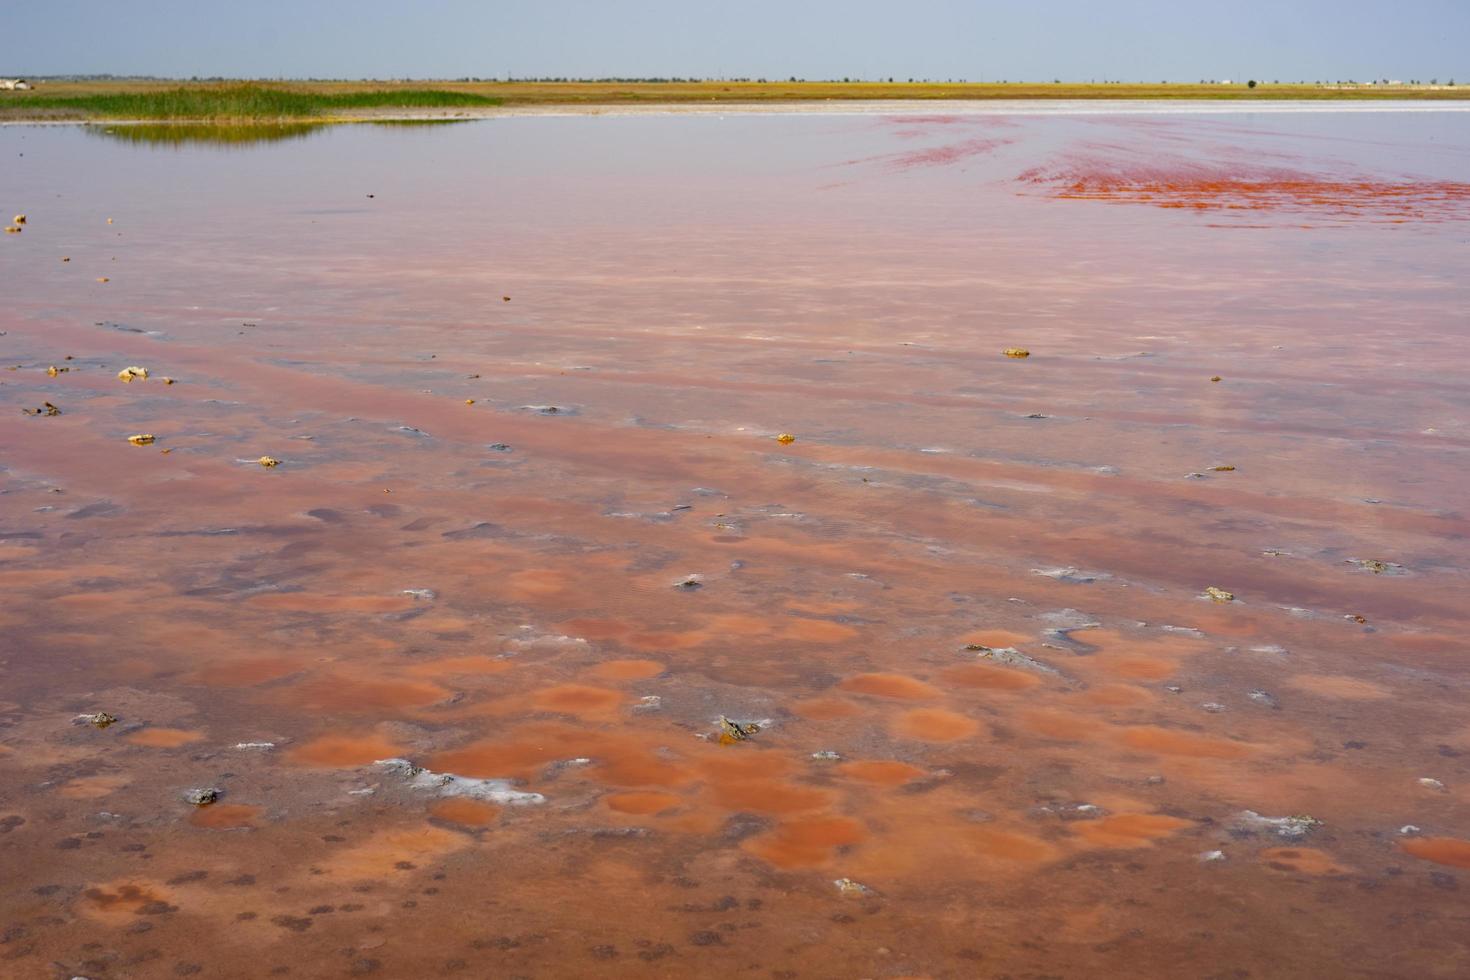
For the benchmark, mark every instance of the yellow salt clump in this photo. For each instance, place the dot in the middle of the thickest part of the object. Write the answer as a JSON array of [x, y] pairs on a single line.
[[786, 438], [1225, 468], [12, 229], [469, 401], [167, 381], [103, 279], [269, 461], [19, 219], [1016, 352], [1219, 595], [141, 440], [52, 371], [1215, 378], [127, 374]]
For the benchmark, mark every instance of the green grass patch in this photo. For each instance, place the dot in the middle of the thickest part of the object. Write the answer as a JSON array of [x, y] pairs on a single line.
[[244, 102]]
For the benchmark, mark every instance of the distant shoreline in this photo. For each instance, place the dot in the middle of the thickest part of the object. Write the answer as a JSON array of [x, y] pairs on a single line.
[[119, 100], [823, 108]]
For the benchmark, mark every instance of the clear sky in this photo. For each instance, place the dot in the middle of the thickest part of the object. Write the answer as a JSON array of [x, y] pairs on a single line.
[[1035, 40]]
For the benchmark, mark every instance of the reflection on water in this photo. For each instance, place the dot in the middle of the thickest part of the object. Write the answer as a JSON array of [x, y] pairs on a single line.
[[231, 135], [1143, 655]]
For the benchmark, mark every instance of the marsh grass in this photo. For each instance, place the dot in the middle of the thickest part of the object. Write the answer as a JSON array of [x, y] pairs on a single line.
[[246, 101]]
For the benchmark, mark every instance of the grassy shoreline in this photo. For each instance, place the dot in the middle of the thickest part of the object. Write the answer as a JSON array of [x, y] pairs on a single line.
[[317, 101]]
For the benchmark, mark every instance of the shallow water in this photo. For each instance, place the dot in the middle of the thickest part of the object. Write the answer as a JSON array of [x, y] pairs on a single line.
[[443, 569]]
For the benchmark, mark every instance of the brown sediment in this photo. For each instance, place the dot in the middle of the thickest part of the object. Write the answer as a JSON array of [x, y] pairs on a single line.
[[1441, 850], [92, 787], [1068, 727], [806, 842], [881, 773], [642, 803], [1338, 686], [225, 816], [118, 902], [1129, 829], [987, 677], [390, 852], [817, 631], [628, 670], [768, 796], [1302, 860], [315, 603], [343, 751], [1011, 845], [1166, 741], [1118, 695], [935, 725], [464, 811], [825, 709], [472, 664], [164, 738], [890, 686], [246, 673], [578, 699], [353, 695]]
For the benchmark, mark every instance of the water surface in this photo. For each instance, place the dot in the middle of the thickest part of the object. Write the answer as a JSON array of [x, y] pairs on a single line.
[[531, 522]]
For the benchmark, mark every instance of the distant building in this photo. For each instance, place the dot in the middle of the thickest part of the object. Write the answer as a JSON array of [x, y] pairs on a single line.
[[14, 84]]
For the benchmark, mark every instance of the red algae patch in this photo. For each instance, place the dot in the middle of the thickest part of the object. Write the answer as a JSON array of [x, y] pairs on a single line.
[[314, 603], [338, 692], [464, 811], [889, 686], [642, 804], [1304, 860], [474, 664], [769, 796], [1204, 187], [1129, 829], [1166, 741], [986, 677], [164, 738], [1336, 686], [1118, 696], [119, 901], [246, 673], [578, 699], [393, 852], [343, 751], [1060, 725], [225, 816], [538, 583], [1440, 850], [935, 725], [91, 787], [806, 843], [825, 709], [1011, 846], [817, 631], [628, 670], [881, 773]]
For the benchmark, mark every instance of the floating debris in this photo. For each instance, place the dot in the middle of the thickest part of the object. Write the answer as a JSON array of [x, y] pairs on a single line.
[[1195, 476], [1215, 594], [1016, 352], [19, 219], [649, 702], [1377, 567], [202, 797], [501, 791], [690, 582], [736, 731], [255, 746], [425, 594], [1430, 783], [1036, 415], [1184, 631], [1408, 830], [100, 719], [1222, 468], [103, 279], [12, 230], [1214, 707], [1215, 378], [1354, 617], [499, 447], [53, 371], [143, 439], [1265, 698], [1208, 856], [1011, 657], [1073, 575], [167, 381], [1292, 827], [47, 410], [268, 461], [849, 887], [129, 374], [786, 438], [827, 755], [469, 401]]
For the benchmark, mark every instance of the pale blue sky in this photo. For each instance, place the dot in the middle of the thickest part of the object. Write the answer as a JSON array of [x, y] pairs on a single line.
[[1179, 40]]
